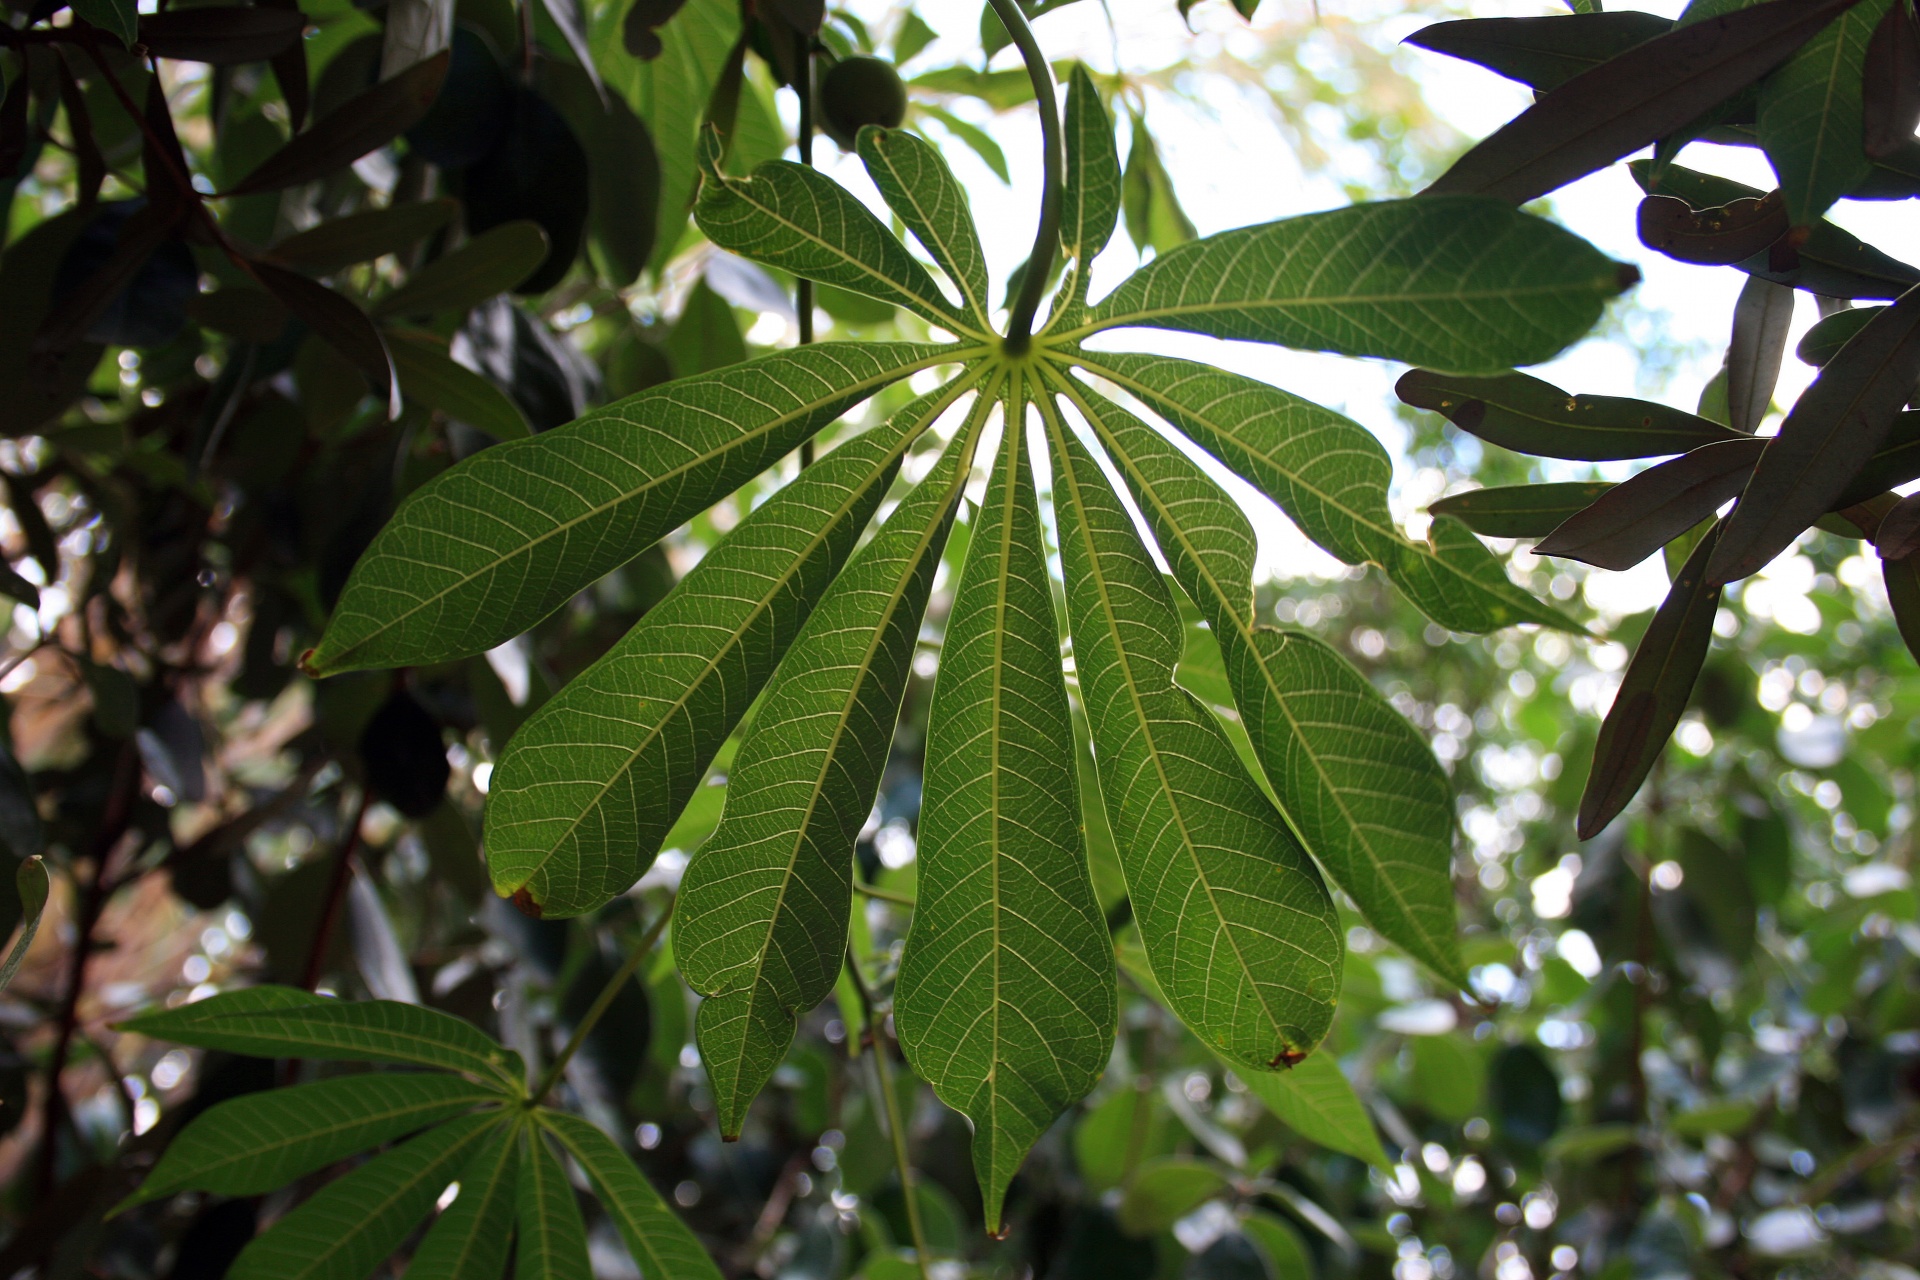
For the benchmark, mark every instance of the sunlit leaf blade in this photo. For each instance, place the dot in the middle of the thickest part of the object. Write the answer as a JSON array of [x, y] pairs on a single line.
[[1833, 429], [1761, 318], [30, 881], [658, 1240], [485, 550], [469, 1240], [590, 785], [354, 1223], [1811, 120], [1090, 202], [1330, 475], [552, 1235], [1542, 53], [260, 1142], [1526, 414], [1636, 518], [284, 1022], [1633, 99], [1654, 692], [1519, 510], [798, 219], [1463, 283], [1241, 933], [761, 925], [917, 185], [1005, 1002]]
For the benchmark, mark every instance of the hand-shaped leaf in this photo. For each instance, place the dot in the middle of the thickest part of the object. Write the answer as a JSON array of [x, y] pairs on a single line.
[[1634, 519], [1811, 120], [658, 1240], [1760, 321], [917, 185], [1519, 510], [1542, 53], [1005, 1001], [469, 1239], [1528, 415], [552, 1237], [1456, 581]]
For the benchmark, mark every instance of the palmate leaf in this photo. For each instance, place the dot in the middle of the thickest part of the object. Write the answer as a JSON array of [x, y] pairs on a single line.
[[761, 924], [468, 1241], [917, 185], [1811, 120], [1240, 931], [658, 1240], [1005, 1001], [590, 785], [552, 1235], [495, 544], [1357, 782]]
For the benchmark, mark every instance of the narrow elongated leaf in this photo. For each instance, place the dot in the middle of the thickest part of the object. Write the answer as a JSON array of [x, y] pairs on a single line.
[[1835, 426], [362, 237], [1633, 99], [1316, 1101], [1653, 692], [354, 1223], [365, 122], [1895, 462], [1464, 283], [431, 377], [1519, 510], [1634, 519], [1355, 780], [1902, 580], [1542, 53], [1005, 1001], [1823, 341], [552, 1234], [798, 219], [1890, 83], [1811, 121], [490, 547], [492, 262], [589, 786], [260, 1142], [223, 35], [1713, 237], [1241, 933], [1899, 533], [917, 185], [658, 1240], [1525, 414], [469, 1240], [1330, 475], [1760, 321], [118, 18], [340, 323], [31, 883], [762, 923], [283, 1022], [1090, 204]]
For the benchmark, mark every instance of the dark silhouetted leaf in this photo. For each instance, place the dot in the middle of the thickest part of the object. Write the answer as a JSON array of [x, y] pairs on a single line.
[[1823, 341], [404, 756], [340, 323], [490, 263], [536, 171], [467, 117], [1902, 580], [365, 122], [1899, 534], [431, 377], [118, 18], [251, 315], [625, 171], [644, 19], [1542, 53], [124, 281], [362, 237], [31, 883], [1714, 237], [1520, 510], [1761, 318], [1890, 82], [1526, 1096], [1635, 519], [1525, 414], [221, 34]]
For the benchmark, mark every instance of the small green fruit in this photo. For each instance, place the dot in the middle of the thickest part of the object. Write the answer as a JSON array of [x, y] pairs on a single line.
[[861, 91]]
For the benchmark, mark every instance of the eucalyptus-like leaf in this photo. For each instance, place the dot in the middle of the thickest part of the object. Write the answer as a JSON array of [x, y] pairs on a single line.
[[1812, 122], [1005, 1001], [1542, 53], [1899, 533], [431, 377], [1823, 341], [917, 185], [362, 237], [552, 1236], [1902, 581], [1463, 283], [492, 262], [1712, 237], [1528, 415], [1240, 931], [659, 1242], [488, 548], [761, 926], [469, 1240], [1761, 317], [1895, 462], [1519, 510], [1636, 518], [591, 784], [365, 122]]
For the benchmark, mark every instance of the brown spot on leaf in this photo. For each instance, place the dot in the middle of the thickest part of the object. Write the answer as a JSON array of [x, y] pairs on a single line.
[[523, 903]]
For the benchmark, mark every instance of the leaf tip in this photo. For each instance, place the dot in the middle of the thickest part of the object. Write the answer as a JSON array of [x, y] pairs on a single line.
[[1625, 276], [523, 902]]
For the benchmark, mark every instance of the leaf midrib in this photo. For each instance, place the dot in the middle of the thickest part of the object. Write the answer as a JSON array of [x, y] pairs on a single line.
[[955, 271]]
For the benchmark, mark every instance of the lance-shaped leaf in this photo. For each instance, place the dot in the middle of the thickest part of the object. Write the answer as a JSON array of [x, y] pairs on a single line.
[[1761, 318], [260, 1142], [1835, 426], [1090, 203], [1330, 475], [1528, 415], [659, 1241], [1899, 533], [1241, 933], [492, 262], [1005, 1001], [1712, 237], [1653, 692], [340, 323], [762, 922], [591, 784], [31, 883], [362, 237], [917, 185], [1356, 781], [1519, 510], [284, 1022], [353, 1224], [490, 547], [431, 377], [1902, 580], [798, 219], [365, 122], [469, 1240], [223, 35], [1634, 99], [1634, 519], [1890, 84], [1823, 341], [1895, 462], [1542, 53], [1811, 121], [552, 1235], [1462, 283]]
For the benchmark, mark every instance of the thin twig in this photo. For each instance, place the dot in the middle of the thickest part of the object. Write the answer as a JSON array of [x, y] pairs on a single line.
[[336, 895], [601, 1003], [876, 1039], [884, 895]]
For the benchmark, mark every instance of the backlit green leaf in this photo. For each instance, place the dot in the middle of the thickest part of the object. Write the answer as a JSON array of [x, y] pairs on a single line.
[[1519, 510], [31, 883], [1811, 122], [1090, 203], [552, 1235], [658, 1240], [914, 179], [1316, 1101], [469, 1240], [430, 377]]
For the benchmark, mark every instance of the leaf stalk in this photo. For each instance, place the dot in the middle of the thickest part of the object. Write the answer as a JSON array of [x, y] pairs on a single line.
[[876, 1035], [601, 1003], [1046, 238]]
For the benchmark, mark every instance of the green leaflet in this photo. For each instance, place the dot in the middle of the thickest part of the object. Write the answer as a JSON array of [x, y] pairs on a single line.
[[762, 919], [1356, 781], [1462, 283], [469, 1240], [658, 1240], [1330, 475], [282, 1022], [1241, 933], [354, 1223], [1005, 1001], [485, 550], [259, 1142], [917, 185], [553, 1237], [798, 219], [1811, 123], [590, 785], [1090, 201]]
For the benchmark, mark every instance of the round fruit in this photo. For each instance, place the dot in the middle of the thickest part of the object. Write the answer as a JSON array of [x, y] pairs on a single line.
[[861, 91], [404, 757]]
